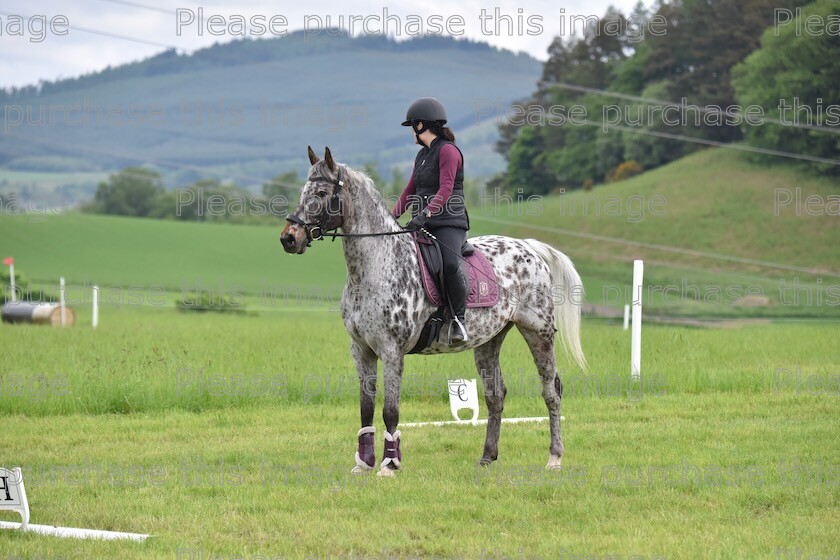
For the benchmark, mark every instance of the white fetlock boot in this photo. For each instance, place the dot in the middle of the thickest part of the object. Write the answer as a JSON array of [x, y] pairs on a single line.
[[392, 456]]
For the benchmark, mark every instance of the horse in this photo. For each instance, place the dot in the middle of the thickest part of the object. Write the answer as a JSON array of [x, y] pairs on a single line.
[[384, 308]]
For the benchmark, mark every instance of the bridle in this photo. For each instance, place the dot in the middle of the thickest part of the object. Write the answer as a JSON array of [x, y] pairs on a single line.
[[316, 230]]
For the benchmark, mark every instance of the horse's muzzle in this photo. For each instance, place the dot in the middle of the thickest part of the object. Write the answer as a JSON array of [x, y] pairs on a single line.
[[291, 240]]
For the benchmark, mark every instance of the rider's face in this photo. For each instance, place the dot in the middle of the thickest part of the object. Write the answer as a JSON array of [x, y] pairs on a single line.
[[414, 136]]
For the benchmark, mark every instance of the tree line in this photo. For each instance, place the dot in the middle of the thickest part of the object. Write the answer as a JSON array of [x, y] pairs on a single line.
[[140, 192], [714, 53]]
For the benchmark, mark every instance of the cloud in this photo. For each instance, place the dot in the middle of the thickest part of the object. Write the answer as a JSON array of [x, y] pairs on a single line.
[[27, 61]]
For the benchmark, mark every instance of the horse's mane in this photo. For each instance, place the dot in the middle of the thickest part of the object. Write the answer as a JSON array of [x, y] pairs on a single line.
[[364, 182]]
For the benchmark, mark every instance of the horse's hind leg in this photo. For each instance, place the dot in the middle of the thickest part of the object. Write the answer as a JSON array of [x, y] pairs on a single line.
[[489, 368], [541, 343]]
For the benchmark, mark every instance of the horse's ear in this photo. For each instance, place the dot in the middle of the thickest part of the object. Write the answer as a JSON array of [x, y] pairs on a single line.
[[313, 159], [329, 159]]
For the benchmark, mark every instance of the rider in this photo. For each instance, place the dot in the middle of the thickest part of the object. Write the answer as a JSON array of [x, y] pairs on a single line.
[[435, 193]]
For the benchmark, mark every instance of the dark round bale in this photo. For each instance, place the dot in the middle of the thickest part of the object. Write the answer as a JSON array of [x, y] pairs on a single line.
[[40, 313]]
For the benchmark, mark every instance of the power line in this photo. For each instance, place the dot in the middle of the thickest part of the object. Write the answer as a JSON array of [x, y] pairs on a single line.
[[141, 6], [156, 9], [101, 33], [704, 109], [666, 248], [698, 269], [729, 145]]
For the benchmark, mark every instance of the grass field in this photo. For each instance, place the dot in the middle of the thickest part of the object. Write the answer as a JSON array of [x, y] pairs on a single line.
[[221, 438], [231, 436], [148, 360]]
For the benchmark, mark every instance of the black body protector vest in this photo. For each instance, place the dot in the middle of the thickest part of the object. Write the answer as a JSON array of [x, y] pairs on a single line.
[[427, 182]]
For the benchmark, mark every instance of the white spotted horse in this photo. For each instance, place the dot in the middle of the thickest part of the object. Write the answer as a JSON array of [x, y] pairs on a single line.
[[384, 306]]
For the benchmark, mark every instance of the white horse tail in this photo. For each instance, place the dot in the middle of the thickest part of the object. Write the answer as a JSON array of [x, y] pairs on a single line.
[[568, 302]]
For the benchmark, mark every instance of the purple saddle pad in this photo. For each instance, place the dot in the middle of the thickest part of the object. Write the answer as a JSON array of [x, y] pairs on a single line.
[[484, 288]]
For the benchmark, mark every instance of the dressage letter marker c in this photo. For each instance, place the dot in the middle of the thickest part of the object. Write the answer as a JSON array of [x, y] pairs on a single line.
[[463, 393]]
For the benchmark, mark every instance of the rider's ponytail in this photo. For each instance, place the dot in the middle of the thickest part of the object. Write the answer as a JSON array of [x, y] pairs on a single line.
[[439, 130]]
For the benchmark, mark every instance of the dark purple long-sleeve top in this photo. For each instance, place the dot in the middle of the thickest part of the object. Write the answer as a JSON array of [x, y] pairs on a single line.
[[450, 161]]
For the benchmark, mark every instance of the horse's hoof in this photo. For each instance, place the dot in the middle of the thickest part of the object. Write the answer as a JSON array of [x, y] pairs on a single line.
[[387, 471], [554, 463], [485, 462], [360, 470]]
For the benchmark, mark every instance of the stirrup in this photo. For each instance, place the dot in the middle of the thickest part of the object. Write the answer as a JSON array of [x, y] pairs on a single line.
[[461, 328]]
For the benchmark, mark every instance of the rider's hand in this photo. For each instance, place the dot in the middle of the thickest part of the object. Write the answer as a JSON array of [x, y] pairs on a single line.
[[417, 221]]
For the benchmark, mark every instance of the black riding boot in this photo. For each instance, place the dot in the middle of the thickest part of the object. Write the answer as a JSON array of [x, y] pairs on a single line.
[[455, 278], [456, 291]]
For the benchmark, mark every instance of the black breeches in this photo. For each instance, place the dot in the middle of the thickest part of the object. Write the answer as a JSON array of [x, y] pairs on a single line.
[[455, 273]]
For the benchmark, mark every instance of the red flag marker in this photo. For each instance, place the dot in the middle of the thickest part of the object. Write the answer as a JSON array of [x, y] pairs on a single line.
[[10, 262]]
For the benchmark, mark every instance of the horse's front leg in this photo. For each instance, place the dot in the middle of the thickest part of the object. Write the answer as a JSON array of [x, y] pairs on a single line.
[[365, 360], [392, 370]]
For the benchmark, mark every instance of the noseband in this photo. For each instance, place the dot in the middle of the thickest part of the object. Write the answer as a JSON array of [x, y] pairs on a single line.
[[316, 230]]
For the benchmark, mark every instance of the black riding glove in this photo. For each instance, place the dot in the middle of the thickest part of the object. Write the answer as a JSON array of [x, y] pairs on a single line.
[[417, 221]]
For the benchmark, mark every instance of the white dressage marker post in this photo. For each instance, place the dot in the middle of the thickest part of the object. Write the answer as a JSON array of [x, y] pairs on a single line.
[[626, 316], [476, 423], [13, 495], [69, 532], [61, 294], [95, 297], [13, 498], [636, 333], [463, 393]]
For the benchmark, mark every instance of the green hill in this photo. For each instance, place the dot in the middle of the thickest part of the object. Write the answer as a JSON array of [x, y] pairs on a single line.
[[248, 109], [712, 228]]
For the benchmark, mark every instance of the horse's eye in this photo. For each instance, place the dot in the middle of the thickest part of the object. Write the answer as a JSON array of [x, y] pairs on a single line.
[[322, 193]]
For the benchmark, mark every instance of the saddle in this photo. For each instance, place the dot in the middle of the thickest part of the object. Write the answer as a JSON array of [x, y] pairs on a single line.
[[483, 285]]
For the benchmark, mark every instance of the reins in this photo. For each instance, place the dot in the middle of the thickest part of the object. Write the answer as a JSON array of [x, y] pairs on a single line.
[[317, 230], [335, 233]]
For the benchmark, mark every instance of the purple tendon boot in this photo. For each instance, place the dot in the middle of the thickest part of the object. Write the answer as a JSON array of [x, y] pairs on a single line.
[[392, 456], [366, 455]]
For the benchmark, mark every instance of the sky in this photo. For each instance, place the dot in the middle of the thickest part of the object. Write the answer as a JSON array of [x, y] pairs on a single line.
[[73, 37]]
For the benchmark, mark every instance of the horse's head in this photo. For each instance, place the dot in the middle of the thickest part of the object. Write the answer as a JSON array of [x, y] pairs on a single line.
[[321, 206]]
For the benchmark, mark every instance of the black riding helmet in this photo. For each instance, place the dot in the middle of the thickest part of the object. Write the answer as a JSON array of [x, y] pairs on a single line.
[[425, 109]]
